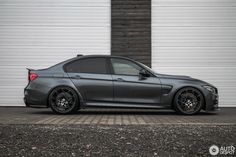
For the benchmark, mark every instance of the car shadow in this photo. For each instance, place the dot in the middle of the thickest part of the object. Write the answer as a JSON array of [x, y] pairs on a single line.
[[119, 112]]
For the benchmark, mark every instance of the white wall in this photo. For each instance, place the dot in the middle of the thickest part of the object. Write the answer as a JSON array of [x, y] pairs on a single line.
[[41, 33], [197, 38]]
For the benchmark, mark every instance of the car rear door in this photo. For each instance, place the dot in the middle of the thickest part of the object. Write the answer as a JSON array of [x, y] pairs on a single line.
[[130, 88], [92, 78]]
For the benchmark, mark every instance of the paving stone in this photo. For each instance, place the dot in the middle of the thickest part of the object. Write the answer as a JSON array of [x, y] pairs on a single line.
[[22, 115]]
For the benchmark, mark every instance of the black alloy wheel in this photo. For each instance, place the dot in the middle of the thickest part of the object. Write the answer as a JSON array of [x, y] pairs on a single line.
[[63, 100], [188, 101]]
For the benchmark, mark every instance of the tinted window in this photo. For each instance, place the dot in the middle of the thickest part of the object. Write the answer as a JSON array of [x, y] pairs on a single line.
[[125, 67], [90, 65]]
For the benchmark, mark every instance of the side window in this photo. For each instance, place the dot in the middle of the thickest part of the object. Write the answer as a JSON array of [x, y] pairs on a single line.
[[124, 67], [89, 65]]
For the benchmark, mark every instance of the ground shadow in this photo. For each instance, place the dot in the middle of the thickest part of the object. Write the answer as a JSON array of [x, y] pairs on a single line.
[[117, 112]]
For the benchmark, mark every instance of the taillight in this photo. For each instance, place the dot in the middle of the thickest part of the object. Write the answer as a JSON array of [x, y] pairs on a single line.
[[32, 76]]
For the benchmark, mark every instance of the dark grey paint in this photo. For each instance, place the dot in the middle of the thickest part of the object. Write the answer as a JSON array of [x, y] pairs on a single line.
[[137, 90], [109, 90], [93, 87]]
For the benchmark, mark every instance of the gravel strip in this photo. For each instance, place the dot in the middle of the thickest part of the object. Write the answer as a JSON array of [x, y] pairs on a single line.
[[115, 140]]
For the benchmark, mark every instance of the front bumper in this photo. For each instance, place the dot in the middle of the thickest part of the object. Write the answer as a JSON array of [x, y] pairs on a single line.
[[212, 102]]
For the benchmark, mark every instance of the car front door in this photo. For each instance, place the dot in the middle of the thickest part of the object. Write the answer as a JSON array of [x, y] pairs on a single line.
[[92, 79], [129, 87]]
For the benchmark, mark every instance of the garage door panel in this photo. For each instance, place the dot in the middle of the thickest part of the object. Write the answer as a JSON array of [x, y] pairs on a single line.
[[45, 52], [200, 62], [54, 16], [193, 23], [194, 16], [52, 42], [195, 33], [18, 60], [194, 56], [193, 12], [14, 102], [48, 3], [195, 52], [51, 22], [38, 34], [188, 3], [50, 32], [14, 82], [51, 12], [195, 43], [43, 36], [211, 73], [197, 38]]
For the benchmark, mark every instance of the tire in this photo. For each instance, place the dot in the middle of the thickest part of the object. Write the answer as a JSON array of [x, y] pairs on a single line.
[[188, 101], [63, 100]]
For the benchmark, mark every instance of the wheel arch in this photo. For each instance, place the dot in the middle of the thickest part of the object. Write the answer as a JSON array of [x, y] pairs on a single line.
[[67, 86], [177, 90]]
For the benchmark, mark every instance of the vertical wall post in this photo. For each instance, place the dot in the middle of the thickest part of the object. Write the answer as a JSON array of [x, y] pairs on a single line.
[[131, 29]]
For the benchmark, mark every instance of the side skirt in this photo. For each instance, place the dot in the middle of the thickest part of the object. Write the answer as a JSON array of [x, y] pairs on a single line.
[[126, 105]]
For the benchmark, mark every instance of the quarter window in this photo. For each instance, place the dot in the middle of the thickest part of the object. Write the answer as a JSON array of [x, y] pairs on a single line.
[[90, 65], [125, 67]]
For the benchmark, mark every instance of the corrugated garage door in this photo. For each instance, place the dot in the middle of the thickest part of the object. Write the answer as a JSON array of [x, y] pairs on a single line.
[[40, 33], [197, 38]]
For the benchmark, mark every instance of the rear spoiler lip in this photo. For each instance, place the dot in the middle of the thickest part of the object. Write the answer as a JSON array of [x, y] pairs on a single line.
[[29, 69], [29, 74]]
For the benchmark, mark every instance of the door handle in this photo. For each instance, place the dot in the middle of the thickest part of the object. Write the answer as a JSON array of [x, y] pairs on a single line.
[[76, 77], [119, 79]]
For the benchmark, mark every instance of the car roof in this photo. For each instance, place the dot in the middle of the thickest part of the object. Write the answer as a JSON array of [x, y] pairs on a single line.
[[92, 56], [105, 56]]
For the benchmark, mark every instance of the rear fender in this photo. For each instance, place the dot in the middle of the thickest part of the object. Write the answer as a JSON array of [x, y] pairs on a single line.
[[81, 100]]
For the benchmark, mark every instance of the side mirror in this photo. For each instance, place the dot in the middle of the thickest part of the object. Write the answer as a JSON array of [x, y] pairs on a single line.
[[143, 74]]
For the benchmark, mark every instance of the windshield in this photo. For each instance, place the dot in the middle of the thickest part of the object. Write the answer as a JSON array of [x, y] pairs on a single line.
[[148, 68]]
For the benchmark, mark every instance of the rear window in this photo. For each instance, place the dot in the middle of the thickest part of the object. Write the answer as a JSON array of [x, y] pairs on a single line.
[[89, 65]]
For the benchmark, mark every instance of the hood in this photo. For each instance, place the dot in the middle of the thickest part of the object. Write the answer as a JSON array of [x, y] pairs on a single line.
[[181, 77], [175, 77]]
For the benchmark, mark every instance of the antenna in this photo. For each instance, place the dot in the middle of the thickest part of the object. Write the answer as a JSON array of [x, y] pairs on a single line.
[[79, 55]]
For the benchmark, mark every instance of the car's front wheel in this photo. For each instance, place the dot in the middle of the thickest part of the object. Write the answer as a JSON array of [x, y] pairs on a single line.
[[63, 100], [188, 101]]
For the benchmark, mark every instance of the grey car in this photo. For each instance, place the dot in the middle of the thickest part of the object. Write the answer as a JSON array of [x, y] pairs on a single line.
[[112, 81]]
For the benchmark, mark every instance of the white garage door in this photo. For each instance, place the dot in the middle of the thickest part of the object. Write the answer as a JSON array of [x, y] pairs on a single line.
[[41, 33], [197, 38]]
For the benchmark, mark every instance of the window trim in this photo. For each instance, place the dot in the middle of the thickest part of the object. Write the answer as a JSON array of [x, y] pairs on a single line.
[[108, 72]]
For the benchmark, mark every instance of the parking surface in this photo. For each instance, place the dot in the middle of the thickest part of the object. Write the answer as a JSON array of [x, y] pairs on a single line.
[[22, 115], [113, 132]]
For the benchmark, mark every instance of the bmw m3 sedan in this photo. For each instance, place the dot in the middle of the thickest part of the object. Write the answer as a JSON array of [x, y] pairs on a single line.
[[112, 81]]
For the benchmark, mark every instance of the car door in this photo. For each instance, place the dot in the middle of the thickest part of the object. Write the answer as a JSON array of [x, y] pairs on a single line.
[[129, 87], [92, 79]]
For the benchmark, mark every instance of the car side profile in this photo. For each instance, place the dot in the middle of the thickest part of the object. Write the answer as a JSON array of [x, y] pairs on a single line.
[[112, 81]]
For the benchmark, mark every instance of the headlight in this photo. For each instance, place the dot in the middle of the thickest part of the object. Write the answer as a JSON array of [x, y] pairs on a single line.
[[210, 89]]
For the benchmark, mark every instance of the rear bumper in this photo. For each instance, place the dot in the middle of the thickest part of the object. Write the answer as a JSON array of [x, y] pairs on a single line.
[[33, 98]]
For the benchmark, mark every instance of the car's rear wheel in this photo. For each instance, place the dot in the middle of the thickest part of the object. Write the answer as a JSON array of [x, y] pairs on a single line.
[[188, 101], [63, 100]]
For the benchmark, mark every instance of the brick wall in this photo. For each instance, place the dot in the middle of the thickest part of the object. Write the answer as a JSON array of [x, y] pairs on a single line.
[[131, 29]]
